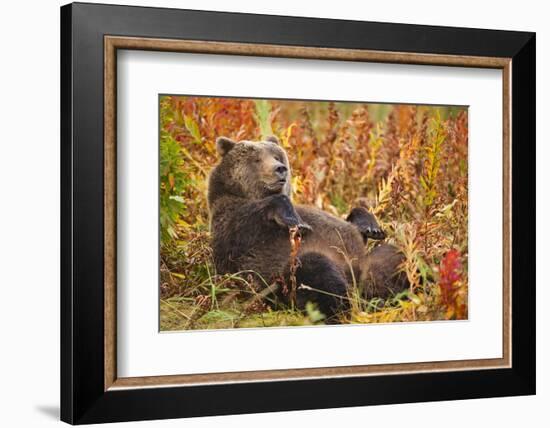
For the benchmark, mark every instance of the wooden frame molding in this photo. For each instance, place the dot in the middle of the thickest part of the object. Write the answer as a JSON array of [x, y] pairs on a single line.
[[113, 43]]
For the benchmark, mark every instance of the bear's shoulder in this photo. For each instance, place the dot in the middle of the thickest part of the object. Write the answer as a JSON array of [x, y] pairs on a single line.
[[219, 193]]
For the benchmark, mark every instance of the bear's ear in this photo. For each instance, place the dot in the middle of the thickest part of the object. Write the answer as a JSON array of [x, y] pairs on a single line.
[[273, 139], [224, 145]]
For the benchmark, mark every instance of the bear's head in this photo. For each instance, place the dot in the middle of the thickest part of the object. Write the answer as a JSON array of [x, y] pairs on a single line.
[[250, 169]]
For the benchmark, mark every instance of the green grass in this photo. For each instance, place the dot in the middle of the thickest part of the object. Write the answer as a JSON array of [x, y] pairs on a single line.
[[176, 315]]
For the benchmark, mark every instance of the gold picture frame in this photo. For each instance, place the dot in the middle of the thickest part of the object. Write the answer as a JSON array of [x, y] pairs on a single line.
[[113, 43]]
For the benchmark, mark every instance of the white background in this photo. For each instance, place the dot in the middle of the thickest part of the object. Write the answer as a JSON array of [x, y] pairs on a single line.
[[29, 226], [142, 351]]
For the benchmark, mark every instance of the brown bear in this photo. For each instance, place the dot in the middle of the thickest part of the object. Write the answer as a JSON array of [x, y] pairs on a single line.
[[250, 216]]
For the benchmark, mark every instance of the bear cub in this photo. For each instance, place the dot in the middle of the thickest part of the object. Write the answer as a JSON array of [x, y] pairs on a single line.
[[250, 216]]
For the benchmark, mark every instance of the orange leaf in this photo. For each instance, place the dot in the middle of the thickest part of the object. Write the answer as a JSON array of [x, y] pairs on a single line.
[[171, 180]]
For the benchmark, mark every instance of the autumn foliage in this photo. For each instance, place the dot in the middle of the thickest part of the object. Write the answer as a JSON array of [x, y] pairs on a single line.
[[406, 163]]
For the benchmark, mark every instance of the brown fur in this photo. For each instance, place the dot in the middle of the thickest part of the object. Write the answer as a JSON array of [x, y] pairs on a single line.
[[251, 212]]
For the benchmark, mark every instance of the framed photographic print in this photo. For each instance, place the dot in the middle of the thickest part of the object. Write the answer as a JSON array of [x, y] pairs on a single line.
[[265, 213]]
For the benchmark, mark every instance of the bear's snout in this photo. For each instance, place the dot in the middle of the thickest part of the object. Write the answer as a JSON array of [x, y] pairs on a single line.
[[281, 171]]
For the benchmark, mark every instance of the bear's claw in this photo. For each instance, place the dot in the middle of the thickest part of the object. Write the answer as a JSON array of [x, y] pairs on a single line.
[[366, 223], [304, 227], [281, 210]]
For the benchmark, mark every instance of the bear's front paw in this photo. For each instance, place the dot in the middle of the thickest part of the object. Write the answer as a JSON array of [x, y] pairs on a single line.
[[281, 210], [288, 220], [304, 227]]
